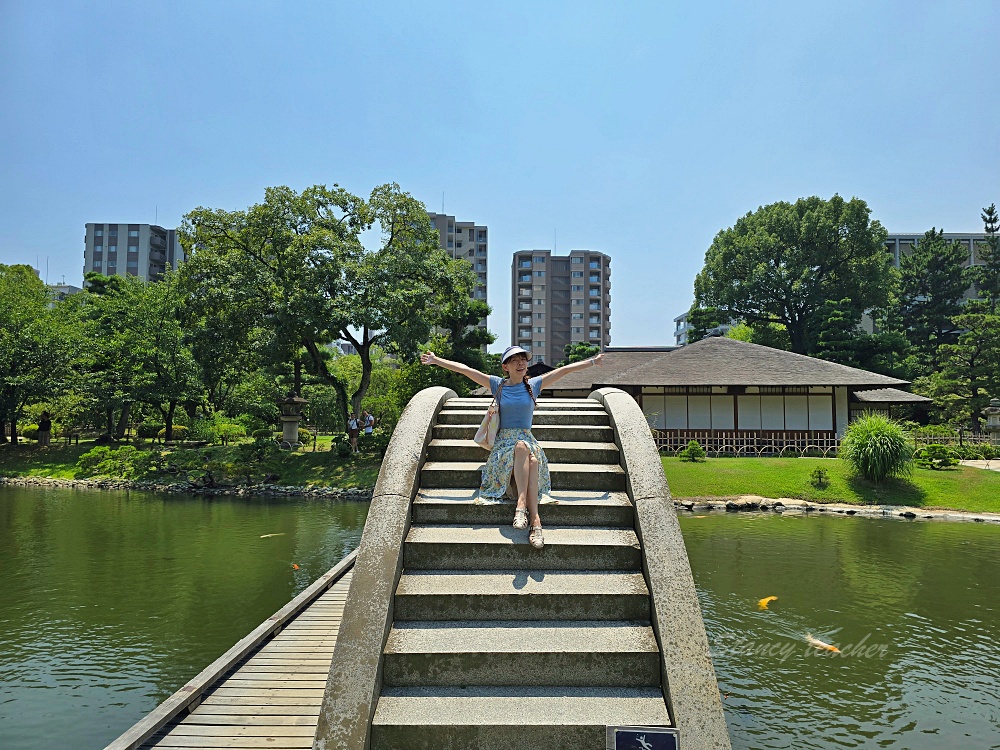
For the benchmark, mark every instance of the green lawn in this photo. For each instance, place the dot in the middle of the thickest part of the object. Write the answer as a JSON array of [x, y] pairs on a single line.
[[322, 468], [959, 488]]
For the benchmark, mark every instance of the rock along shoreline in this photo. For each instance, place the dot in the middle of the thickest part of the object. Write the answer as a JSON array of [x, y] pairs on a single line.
[[791, 505], [732, 504], [268, 490]]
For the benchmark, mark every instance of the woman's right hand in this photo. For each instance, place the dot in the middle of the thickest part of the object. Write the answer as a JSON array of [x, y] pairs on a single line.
[[427, 358]]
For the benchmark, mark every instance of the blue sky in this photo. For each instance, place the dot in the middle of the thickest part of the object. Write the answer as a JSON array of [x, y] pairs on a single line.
[[637, 129]]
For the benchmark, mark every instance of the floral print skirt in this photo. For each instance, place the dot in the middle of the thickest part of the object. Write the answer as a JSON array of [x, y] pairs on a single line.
[[500, 464]]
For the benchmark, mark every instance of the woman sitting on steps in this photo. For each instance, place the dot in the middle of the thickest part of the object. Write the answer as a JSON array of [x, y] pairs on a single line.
[[516, 452]]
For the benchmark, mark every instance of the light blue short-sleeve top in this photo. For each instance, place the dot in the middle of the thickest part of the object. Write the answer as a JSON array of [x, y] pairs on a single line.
[[516, 406]]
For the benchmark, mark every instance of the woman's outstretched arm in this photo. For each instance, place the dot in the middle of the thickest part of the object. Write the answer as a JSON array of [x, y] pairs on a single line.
[[551, 377], [429, 358]]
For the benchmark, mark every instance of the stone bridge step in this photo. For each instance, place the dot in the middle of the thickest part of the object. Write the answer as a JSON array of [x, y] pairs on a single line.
[[454, 547], [476, 718], [554, 432], [541, 416], [481, 403], [568, 508], [531, 653], [557, 452], [521, 595], [564, 476]]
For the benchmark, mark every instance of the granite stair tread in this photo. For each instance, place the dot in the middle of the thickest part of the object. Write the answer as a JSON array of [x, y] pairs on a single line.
[[565, 468], [554, 535], [521, 582], [446, 495], [519, 707], [520, 636]]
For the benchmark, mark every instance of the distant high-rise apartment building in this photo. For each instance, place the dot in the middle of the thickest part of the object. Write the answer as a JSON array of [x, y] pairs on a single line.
[[466, 240], [899, 245], [558, 300], [142, 250]]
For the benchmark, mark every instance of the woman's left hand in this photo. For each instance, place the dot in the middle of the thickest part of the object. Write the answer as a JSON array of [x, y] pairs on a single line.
[[599, 359]]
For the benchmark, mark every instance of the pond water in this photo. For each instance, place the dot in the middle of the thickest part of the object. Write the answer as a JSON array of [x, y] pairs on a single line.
[[913, 606], [109, 602]]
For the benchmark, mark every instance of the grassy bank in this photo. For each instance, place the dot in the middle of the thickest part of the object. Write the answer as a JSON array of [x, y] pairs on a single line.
[[958, 488], [323, 468]]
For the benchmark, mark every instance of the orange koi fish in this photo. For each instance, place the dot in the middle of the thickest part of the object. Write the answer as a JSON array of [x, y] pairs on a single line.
[[762, 604], [821, 645]]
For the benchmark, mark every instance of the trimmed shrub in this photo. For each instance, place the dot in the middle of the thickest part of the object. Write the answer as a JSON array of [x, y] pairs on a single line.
[[201, 430], [974, 452], [819, 478], [122, 463], [935, 456], [225, 431], [693, 452], [149, 430], [262, 434], [180, 432], [876, 447], [343, 449], [305, 436], [30, 432]]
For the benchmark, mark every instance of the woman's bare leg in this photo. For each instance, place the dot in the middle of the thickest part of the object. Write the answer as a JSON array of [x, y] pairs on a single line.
[[522, 458], [532, 494]]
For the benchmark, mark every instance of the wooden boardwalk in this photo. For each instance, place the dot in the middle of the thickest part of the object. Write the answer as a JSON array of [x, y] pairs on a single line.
[[266, 693]]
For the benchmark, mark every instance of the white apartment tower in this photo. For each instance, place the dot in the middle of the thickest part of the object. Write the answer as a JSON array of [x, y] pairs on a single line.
[[466, 240], [558, 300], [142, 250]]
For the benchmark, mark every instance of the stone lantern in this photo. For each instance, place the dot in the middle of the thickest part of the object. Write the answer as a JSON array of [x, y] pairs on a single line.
[[291, 415], [992, 413]]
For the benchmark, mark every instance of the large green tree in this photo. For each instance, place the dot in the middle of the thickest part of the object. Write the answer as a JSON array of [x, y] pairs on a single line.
[[39, 339], [932, 284], [139, 352], [297, 263], [781, 263]]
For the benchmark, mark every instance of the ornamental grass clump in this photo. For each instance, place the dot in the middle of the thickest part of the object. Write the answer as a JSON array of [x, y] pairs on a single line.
[[876, 447]]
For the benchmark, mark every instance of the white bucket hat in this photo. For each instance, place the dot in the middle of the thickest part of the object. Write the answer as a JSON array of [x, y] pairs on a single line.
[[510, 351]]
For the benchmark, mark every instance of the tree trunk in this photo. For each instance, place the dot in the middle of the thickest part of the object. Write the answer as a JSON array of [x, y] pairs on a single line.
[[123, 420], [169, 421], [3, 430], [319, 365], [298, 376], [110, 414], [365, 351]]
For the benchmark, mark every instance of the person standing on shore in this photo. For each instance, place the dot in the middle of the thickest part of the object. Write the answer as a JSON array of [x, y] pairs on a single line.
[[516, 455], [44, 429], [353, 428]]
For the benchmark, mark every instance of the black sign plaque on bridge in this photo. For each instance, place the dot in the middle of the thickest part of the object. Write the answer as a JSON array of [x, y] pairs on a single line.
[[643, 738]]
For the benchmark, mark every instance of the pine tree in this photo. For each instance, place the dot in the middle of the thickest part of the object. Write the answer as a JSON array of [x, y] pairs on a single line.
[[933, 282], [701, 320], [837, 338], [987, 275]]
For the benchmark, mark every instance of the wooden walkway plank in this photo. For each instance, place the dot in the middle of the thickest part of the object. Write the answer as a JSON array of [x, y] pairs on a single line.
[[267, 690], [254, 719]]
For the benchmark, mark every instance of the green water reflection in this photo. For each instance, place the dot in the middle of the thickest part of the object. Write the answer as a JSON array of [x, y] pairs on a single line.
[[109, 602], [919, 598]]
